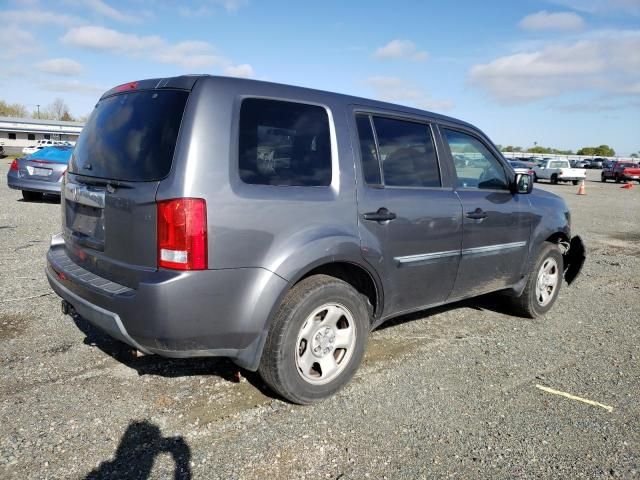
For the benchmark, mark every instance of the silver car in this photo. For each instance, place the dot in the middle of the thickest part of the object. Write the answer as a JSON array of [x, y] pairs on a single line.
[[40, 172]]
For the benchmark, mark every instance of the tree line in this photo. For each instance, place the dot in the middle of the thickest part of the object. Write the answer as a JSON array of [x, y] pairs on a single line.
[[56, 110], [600, 151]]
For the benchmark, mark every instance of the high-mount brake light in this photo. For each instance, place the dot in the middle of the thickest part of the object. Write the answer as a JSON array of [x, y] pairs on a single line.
[[182, 234], [126, 86]]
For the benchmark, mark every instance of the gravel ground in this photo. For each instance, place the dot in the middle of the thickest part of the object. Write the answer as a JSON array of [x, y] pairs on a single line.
[[446, 393]]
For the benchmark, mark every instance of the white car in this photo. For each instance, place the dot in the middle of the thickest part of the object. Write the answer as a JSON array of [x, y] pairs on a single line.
[[558, 171], [40, 145]]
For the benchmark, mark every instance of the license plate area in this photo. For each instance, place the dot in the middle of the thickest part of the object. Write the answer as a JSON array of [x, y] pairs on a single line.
[[85, 224], [37, 171]]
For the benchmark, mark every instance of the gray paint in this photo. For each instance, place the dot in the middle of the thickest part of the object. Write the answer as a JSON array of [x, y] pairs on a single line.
[[262, 238]]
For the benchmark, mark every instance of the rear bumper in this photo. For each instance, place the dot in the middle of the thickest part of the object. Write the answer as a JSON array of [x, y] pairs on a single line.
[[24, 183], [176, 314], [570, 179]]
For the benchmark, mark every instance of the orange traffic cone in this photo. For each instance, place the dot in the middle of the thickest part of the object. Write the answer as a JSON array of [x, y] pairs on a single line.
[[581, 189], [627, 186]]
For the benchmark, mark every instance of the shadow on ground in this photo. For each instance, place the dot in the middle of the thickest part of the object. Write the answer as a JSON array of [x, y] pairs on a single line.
[[141, 443], [168, 367]]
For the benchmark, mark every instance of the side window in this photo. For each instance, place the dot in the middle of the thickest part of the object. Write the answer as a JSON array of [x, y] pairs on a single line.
[[407, 153], [31, 136], [284, 143], [12, 136], [476, 166], [368, 151]]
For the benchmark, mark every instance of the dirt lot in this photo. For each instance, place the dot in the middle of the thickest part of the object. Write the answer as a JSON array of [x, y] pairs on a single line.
[[446, 393]]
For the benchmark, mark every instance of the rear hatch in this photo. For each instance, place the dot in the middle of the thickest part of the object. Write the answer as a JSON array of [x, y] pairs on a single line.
[[126, 148]]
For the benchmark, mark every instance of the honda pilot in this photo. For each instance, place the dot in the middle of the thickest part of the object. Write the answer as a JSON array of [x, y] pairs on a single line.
[[277, 225]]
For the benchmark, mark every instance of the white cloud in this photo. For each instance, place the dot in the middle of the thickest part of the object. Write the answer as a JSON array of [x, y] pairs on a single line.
[[604, 61], [231, 5], [16, 42], [397, 90], [38, 17], [186, 54], [74, 86], [401, 49], [544, 20], [244, 70], [631, 7], [102, 8], [60, 66]]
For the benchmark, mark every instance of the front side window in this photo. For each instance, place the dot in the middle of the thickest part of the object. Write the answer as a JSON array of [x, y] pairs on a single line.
[[31, 136], [476, 166], [284, 143], [407, 153], [12, 136]]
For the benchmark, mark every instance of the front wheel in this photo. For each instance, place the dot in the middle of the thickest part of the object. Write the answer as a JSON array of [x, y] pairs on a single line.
[[316, 341], [575, 182], [603, 179], [543, 284]]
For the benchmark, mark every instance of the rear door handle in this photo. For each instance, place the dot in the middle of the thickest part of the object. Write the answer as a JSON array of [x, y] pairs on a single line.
[[382, 215], [477, 214]]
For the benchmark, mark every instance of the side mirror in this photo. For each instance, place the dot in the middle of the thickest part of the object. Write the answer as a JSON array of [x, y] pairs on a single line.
[[523, 183]]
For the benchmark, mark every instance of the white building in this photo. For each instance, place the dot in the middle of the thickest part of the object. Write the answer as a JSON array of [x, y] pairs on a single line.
[[17, 133]]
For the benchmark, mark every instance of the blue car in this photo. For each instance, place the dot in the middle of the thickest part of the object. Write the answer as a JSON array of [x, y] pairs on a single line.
[[39, 173]]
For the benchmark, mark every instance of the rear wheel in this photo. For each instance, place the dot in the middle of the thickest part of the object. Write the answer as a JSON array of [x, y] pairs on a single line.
[[535, 178], [554, 179], [316, 341], [543, 284], [618, 179], [31, 196], [575, 182], [603, 179]]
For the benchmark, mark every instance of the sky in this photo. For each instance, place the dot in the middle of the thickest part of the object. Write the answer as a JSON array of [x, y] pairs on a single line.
[[558, 73]]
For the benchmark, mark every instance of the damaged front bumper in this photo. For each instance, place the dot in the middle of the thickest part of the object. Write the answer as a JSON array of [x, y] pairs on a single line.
[[573, 259]]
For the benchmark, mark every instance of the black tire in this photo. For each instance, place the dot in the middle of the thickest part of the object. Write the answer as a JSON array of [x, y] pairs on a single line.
[[617, 179], [575, 182], [603, 179], [535, 178], [279, 365], [527, 304], [554, 179], [31, 196]]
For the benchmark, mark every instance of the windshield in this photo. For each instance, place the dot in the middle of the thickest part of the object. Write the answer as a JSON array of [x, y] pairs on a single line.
[[130, 136]]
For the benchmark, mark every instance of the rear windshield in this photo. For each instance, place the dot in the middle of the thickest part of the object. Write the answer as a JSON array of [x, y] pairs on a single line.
[[130, 136]]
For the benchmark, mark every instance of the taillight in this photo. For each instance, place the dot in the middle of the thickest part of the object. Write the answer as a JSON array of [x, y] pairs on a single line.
[[14, 164], [531, 172], [182, 234]]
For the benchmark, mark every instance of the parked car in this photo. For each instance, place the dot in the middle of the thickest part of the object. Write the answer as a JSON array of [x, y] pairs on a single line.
[[199, 243], [621, 171], [42, 144], [39, 173], [558, 171], [522, 167], [584, 163], [597, 163]]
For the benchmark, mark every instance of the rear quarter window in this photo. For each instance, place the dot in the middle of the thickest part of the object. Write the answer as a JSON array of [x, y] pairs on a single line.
[[284, 143]]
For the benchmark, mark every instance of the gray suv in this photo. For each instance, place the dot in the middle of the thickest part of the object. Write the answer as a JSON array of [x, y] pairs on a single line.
[[277, 225]]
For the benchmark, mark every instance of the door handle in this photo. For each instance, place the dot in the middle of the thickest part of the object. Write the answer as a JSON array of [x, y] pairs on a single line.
[[382, 215], [477, 214]]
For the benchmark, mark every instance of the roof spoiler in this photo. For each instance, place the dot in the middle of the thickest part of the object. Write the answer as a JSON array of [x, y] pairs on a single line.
[[184, 82]]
